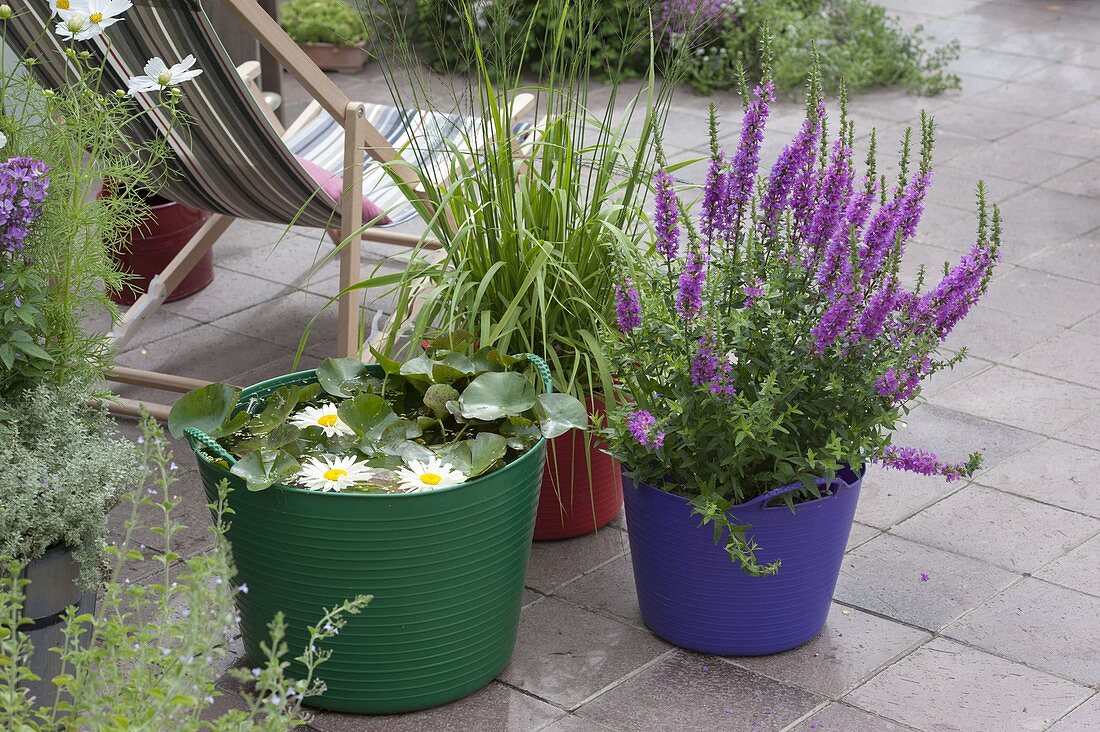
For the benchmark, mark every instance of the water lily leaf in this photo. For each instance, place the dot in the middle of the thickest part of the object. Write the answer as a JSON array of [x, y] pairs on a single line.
[[264, 468], [278, 407], [452, 341], [458, 362], [344, 377], [559, 413], [495, 395], [501, 359], [368, 414], [408, 450], [444, 374], [418, 369], [206, 408], [437, 396], [458, 456], [402, 429], [486, 450]]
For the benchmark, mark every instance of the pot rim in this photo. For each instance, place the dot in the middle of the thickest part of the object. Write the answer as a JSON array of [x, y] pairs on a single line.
[[752, 503], [309, 374]]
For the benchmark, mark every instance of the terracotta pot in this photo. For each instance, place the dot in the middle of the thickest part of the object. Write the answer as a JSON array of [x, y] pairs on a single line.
[[582, 487], [155, 243], [331, 57]]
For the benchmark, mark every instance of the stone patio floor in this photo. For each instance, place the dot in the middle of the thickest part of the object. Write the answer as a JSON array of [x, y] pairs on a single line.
[[1005, 632]]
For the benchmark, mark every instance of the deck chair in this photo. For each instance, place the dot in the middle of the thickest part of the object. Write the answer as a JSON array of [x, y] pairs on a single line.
[[236, 160]]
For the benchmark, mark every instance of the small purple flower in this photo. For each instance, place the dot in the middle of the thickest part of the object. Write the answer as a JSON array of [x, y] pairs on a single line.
[[915, 460], [834, 321], [628, 307], [23, 188], [797, 157], [826, 226], [924, 577], [712, 372], [689, 299], [873, 318], [666, 217], [715, 192], [754, 292], [746, 161], [642, 426]]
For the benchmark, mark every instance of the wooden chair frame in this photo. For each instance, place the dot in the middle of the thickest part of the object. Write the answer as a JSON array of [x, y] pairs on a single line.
[[359, 136]]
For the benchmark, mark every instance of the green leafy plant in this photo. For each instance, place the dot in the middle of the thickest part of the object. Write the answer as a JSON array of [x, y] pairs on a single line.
[[64, 468], [439, 419], [617, 48], [322, 21], [855, 41], [148, 657], [63, 269], [530, 221], [775, 344]]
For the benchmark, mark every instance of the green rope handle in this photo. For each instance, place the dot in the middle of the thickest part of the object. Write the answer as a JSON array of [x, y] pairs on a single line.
[[544, 371], [194, 435]]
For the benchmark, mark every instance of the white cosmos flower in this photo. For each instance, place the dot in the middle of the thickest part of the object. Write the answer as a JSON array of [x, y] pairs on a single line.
[[95, 14], [57, 7], [433, 475], [333, 474], [325, 417], [158, 75]]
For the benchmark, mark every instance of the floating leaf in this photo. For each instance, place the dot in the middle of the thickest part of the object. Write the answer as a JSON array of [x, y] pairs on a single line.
[[486, 450], [495, 395], [368, 414], [452, 341], [559, 413], [437, 396], [264, 468], [206, 409], [344, 377]]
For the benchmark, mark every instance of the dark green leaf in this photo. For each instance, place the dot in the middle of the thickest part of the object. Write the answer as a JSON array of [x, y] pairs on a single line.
[[206, 409], [559, 413], [368, 414], [343, 377], [264, 468], [495, 395]]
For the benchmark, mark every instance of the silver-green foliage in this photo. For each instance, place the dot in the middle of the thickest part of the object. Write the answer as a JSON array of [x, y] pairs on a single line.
[[64, 466], [152, 650]]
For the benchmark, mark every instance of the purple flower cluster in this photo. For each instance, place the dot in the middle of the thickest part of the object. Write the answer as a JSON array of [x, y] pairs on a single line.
[[23, 187], [689, 299], [754, 292], [714, 195], [950, 300], [628, 306], [666, 216], [712, 372], [899, 385], [642, 426], [794, 165], [746, 161], [915, 460]]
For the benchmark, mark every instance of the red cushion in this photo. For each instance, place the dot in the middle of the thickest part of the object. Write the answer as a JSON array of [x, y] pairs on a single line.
[[333, 184]]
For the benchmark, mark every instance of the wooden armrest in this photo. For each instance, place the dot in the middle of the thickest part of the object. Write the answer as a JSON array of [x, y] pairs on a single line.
[[250, 70]]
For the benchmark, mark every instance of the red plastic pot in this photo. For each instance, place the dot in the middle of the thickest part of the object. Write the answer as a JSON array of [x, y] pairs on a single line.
[[155, 243], [582, 487]]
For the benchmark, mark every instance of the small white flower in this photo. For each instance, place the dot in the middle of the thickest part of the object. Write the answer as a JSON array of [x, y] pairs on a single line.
[[325, 417], [57, 7], [3, 140], [434, 475], [74, 27], [256, 672], [243, 589], [158, 75], [731, 358], [333, 474]]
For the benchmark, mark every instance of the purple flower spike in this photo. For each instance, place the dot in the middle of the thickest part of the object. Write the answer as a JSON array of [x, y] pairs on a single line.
[[746, 161], [667, 217], [642, 426], [715, 191], [754, 292], [827, 225], [919, 461], [712, 372], [873, 318], [689, 300], [833, 323], [23, 188], [628, 306], [796, 158]]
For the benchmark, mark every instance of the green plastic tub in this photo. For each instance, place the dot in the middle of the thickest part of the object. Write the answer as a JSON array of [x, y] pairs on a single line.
[[446, 570]]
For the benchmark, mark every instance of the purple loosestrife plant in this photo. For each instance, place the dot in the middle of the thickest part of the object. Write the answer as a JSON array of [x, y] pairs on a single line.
[[789, 350], [23, 187]]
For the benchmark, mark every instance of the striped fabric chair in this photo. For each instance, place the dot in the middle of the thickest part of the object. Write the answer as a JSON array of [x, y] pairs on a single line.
[[236, 160]]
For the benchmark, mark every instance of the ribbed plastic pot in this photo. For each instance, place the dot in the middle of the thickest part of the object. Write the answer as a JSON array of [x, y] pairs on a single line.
[[446, 570], [694, 596], [582, 488]]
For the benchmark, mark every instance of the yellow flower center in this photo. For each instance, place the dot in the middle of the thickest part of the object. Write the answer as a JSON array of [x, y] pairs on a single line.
[[431, 478], [335, 474], [62, 4], [94, 17], [328, 420]]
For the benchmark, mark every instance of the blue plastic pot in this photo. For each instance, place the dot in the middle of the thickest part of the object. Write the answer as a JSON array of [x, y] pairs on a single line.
[[693, 595]]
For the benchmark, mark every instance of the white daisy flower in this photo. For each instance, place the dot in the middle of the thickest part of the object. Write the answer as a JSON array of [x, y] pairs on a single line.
[[333, 474], [97, 15], [57, 7], [325, 417], [158, 75], [435, 474]]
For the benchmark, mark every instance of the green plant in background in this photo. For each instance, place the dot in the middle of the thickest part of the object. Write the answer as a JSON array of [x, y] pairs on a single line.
[[855, 40], [530, 221], [152, 651], [616, 48], [448, 415], [322, 21], [64, 467]]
